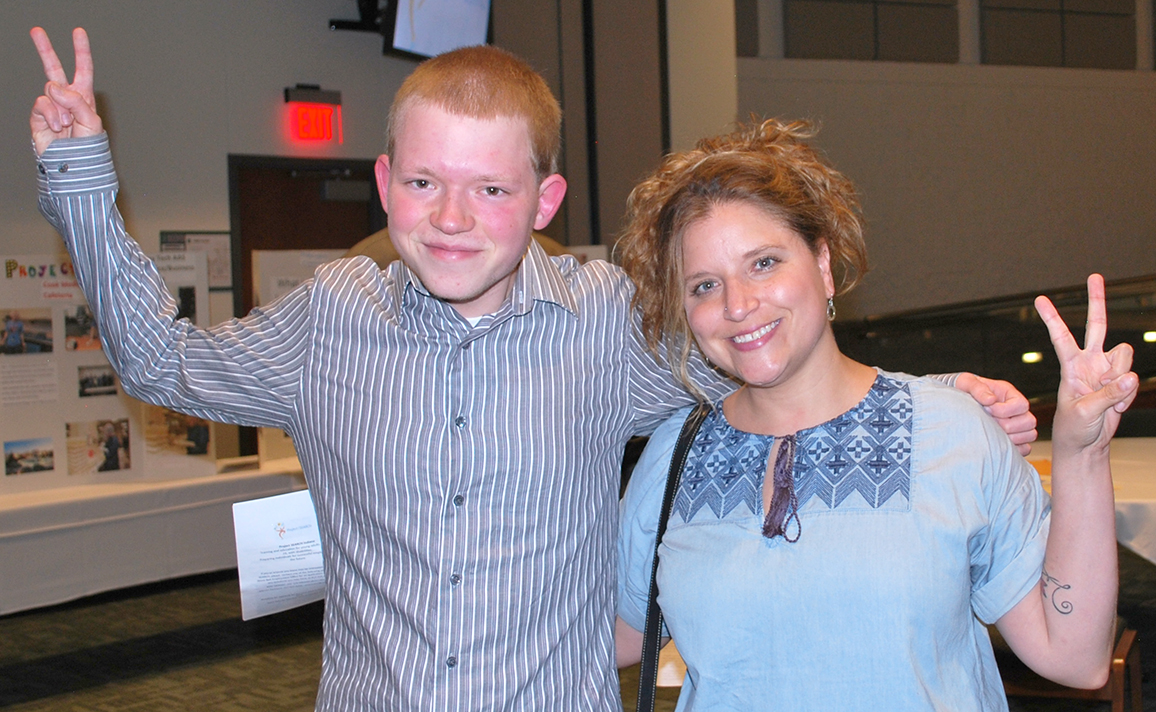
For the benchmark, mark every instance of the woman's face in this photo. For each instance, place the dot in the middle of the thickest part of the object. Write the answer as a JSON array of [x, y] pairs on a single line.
[[755, 295]]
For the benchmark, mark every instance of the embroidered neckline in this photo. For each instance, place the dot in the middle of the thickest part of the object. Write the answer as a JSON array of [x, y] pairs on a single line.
[[860, 459]]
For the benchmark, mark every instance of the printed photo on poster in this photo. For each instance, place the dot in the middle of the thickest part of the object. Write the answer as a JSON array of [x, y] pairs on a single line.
[[187, 303], [98, 446], [26, 331], [25, 456], [80, 332], [186, 278], [171, 433], [95, 381]]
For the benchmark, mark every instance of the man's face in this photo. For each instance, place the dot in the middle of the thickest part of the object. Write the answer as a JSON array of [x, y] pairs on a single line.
[[462, 198]]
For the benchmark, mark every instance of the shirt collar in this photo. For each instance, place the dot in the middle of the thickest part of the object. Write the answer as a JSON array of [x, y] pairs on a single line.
[[539, 279]]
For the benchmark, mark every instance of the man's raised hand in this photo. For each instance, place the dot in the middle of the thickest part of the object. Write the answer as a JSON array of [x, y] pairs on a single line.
[[66, 110], [1007, 405]]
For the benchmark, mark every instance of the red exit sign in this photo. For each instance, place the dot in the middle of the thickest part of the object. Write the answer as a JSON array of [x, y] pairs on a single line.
[[315, 122]]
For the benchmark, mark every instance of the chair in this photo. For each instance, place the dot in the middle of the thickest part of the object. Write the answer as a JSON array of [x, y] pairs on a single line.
[[1123, 679]]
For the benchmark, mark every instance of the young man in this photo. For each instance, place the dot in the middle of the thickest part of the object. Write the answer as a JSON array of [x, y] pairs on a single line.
[[460, 415]]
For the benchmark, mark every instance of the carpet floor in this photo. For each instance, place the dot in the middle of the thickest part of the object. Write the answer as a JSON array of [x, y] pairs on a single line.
[[181, 645]]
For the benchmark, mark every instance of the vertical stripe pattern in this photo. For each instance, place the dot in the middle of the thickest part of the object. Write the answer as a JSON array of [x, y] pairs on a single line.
[[465, 478]]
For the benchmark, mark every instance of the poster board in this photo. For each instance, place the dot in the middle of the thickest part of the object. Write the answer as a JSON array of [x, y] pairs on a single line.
[[179, 445], [275, 274], [64, 420]]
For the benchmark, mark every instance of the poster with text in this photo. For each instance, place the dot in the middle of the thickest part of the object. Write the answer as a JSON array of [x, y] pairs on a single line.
[[275, 274], [64, 418]]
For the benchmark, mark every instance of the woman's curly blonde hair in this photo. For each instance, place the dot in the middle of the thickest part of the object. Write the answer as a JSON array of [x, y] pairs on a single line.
[[769, 164]]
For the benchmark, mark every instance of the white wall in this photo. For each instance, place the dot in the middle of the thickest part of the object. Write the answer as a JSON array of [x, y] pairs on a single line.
[[183, 84], [979, 181]]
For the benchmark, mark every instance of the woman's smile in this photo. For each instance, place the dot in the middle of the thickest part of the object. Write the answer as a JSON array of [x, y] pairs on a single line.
[[756, 334]]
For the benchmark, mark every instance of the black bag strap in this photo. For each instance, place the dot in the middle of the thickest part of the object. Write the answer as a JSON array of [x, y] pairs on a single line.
[[651, 640]]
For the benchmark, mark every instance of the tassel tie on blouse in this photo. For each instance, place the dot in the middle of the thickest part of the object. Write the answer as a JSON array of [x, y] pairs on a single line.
[[784, 503]]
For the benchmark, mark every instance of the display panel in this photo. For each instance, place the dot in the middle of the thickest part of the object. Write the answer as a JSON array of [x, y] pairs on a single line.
[[64, 420]]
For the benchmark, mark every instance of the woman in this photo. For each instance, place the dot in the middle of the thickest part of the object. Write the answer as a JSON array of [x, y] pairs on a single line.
[[13, 334], [842, 534]]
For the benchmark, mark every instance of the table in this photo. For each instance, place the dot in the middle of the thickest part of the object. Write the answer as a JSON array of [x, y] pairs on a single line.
[[61, 544], [1134, 478]]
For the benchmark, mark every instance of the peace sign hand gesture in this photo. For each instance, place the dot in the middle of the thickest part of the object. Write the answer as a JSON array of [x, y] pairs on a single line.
[[1095, 387], [65, 110]]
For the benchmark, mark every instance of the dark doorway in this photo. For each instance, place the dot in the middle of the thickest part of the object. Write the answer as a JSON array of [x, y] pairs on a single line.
[[296, 204], [278, 203]]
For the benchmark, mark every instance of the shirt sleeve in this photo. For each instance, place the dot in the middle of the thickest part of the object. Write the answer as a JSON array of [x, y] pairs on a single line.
[[656, 391], [638, 521], [1007, 556], [243, 371]]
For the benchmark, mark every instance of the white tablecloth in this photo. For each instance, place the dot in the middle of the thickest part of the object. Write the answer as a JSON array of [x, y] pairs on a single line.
[[1134, 478], [60, 544]]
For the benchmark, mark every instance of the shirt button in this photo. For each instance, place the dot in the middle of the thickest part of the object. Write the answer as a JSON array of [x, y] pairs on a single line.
[[460, 421], [451, 661], [40, 167], [455, 579], [459, 500], [63, 168]]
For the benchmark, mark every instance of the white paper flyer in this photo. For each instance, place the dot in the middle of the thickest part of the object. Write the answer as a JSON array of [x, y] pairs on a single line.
[[278, 554]]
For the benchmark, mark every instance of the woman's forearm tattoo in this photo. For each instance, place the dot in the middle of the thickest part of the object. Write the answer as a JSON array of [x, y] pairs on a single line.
[[1054, 592]]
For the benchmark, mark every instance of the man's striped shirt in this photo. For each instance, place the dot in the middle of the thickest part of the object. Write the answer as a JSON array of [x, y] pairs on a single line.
[[465, 478]]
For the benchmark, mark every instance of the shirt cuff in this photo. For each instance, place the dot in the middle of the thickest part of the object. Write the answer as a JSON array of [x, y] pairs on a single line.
[[72, 166], [947, 379], [995, 598]]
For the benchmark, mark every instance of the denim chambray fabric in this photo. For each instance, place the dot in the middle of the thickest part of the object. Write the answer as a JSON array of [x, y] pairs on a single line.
[[918, 521]]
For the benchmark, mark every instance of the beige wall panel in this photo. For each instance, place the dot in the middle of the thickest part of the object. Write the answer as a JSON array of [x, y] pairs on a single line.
[[980, 181], [548, 34], [702, 67], [629, 113]]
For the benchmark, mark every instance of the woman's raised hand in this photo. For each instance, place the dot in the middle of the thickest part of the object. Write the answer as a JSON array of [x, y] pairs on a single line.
[[66, 110], [1095, 387]]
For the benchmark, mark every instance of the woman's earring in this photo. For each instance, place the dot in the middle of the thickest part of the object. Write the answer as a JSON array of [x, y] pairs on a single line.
[[830, 309]]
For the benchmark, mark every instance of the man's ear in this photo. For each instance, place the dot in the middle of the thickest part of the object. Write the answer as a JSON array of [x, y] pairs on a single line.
[[550, 194], [381, 170]]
